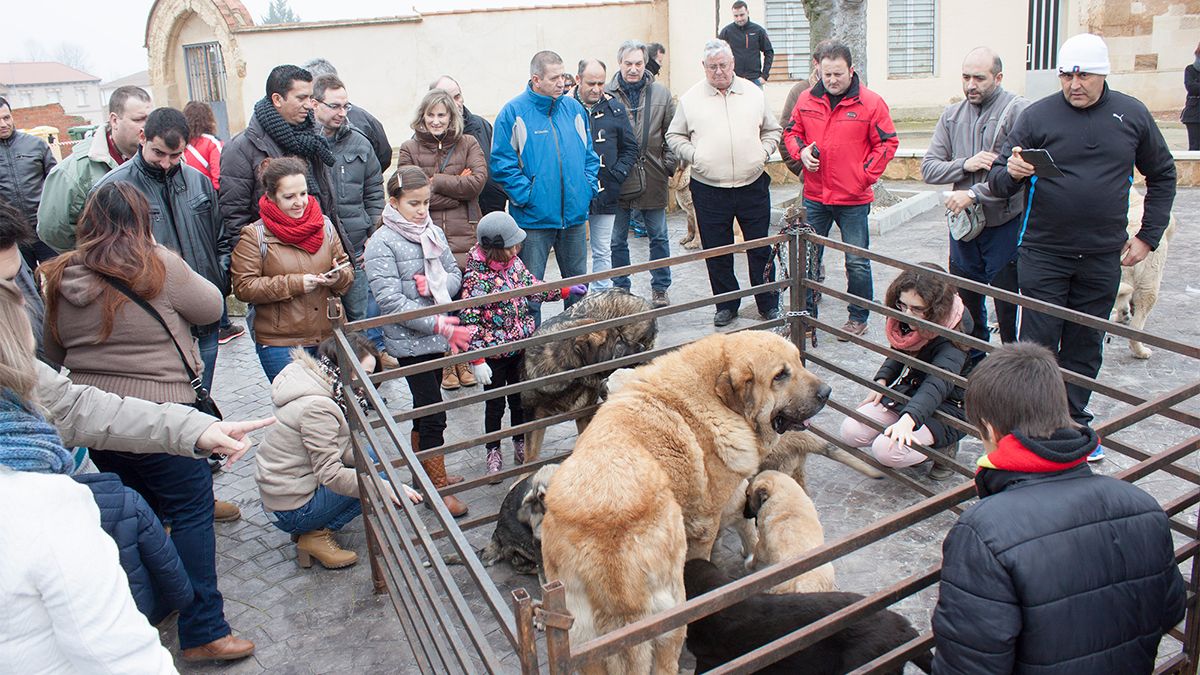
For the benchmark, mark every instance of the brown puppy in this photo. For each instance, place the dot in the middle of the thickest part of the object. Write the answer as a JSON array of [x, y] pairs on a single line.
[[788, 527], [649, 477]]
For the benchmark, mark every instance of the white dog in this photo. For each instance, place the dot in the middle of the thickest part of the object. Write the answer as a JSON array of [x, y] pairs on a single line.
[[1140, 283]]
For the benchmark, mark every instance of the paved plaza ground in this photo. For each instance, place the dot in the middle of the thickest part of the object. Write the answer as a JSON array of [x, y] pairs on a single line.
[[322, 621]]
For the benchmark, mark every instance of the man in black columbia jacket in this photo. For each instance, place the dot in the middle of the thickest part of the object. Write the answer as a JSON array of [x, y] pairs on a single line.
[[1056, 570], [183, 210], [1073, 240], [748, 40]]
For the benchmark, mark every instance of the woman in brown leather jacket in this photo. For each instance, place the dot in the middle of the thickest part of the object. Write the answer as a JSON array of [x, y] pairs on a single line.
[[288, 264], [457, 170]]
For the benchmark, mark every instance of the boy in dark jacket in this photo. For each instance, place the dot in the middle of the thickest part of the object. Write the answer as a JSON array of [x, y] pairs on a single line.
[[1055, 570]]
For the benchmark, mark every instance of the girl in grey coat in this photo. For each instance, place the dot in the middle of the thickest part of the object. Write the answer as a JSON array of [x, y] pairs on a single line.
[[410, 266]]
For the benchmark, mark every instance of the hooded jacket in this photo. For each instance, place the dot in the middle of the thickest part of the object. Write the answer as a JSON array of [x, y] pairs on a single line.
[[284, 315], [309, 445], [25, 161], [660, 163], [358, 182], [856, 139], [392, 261], [157, 579], [183, 214], [138, 358], [964, 130], [454, 199], [1085, 211], [67, 188], [1059, 571], [617, 148], [542, 156]]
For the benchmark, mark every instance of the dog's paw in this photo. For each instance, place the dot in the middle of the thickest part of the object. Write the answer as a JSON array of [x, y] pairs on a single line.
[[693, 244], [1139, 350], [749, 563]]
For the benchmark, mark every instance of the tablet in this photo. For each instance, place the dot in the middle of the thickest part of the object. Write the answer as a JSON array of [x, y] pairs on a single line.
[[1043, 163]]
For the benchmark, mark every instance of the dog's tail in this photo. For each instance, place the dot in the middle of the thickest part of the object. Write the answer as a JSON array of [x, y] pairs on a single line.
[[488, 555], [839, 455]]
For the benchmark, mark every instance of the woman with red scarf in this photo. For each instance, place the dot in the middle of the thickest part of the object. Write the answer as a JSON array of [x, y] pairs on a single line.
[[287, 264], [925, 296]]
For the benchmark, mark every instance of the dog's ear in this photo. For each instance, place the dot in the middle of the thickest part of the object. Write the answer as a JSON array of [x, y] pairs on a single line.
[[588, 346], [735, 387], [758, 496]]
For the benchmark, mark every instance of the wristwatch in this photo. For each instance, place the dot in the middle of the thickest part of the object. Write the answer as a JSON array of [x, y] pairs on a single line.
[[971, 193]]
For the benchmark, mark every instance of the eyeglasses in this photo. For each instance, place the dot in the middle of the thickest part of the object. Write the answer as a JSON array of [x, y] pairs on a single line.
[[913, 309], [338, 107], [718, 67]]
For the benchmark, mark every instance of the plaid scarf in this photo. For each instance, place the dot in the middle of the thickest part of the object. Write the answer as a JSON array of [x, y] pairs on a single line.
[[28, 442], [334, 373], [301, 139]]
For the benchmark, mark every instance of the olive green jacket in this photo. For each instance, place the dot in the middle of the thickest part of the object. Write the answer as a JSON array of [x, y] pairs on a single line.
[[67, 188]]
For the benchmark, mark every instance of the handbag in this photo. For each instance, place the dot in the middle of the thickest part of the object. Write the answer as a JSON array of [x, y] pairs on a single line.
[[968, 223], [635, 182], [204, 402]]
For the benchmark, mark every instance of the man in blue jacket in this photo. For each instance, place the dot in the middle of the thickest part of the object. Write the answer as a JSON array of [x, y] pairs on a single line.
[[543, 158]]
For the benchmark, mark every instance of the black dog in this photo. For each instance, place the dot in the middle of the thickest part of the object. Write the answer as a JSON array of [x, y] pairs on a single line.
[[758, 620]]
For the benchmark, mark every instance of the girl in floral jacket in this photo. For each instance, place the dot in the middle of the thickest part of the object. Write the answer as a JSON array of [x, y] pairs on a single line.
[[493, 267]]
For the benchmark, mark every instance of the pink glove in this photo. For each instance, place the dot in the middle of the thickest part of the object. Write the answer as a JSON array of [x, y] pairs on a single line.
[[577, 291], [422, 285], [458, 336]]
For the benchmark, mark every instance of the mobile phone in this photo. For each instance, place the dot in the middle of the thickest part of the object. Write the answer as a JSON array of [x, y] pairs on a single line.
[[344, 263], [1043, 163]]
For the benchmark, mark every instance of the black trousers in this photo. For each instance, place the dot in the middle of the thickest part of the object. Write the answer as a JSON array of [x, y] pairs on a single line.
[[1085, 284], [426, 389], [715, 210], [506, 370], [1193, 131], [975, 303]]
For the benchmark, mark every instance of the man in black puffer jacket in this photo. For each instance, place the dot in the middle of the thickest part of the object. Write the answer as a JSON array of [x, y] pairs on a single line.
[[1056, 570], [157, 579]]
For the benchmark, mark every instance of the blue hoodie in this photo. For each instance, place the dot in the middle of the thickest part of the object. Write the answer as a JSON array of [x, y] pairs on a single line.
[[542, 156]]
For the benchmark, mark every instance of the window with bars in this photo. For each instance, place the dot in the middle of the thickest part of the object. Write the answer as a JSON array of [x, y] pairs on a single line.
[[911, 38], [787, 26]]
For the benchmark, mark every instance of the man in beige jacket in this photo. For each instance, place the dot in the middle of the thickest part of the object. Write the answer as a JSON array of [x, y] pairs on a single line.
[[723, 129]]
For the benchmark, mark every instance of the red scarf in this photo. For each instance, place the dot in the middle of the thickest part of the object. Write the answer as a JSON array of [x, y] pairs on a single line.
[[914, 340], [306, 232]]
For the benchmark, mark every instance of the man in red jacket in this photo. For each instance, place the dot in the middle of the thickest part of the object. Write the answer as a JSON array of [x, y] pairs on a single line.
[[842, 133]]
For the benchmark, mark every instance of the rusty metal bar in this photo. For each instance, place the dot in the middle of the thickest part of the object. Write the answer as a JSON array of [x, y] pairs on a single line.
[[558, 641], [1025, 301], [462, 357], [526, 638], [898, 656], [628, 270]]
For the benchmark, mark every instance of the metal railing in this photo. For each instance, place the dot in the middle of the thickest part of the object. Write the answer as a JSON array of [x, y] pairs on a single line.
[[446, 632]]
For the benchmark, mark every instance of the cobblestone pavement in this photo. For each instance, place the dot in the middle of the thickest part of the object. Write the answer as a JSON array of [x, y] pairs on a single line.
[[321, 621]]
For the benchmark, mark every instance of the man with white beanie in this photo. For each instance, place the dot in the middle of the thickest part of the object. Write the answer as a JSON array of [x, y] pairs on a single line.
[[1073, 240]]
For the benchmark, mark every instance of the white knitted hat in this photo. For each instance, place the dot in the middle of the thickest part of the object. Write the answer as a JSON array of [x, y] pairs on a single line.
[[1084, 53]]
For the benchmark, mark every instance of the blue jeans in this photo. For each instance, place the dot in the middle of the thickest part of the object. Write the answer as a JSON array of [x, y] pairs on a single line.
[[355, 300], [206, 336], [660, 246], [374, 334], [570, 250], [275, 359], [326, 510], [852, 222], [179, 489], [600, 227]]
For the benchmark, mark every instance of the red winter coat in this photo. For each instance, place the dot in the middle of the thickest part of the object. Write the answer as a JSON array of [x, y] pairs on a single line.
[[204, 155], [856, 140]]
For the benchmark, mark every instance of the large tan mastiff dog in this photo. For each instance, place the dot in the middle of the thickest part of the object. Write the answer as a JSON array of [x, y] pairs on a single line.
[[647, 482]]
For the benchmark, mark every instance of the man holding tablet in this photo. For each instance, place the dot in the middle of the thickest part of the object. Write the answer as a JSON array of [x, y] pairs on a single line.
[[1073, 240]]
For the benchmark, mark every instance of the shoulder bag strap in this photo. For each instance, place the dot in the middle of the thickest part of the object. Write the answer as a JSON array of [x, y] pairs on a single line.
[[446, 159], [645, 119], [149, 309]]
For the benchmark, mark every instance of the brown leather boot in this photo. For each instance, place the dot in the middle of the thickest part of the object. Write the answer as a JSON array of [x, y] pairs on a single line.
[[436, 468], [225, 512], [321, 545], [415, 438], [450, 378], [466, 375], [228, 648]]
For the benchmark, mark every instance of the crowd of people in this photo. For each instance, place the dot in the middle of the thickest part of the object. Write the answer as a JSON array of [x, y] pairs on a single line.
[[151, 222]]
